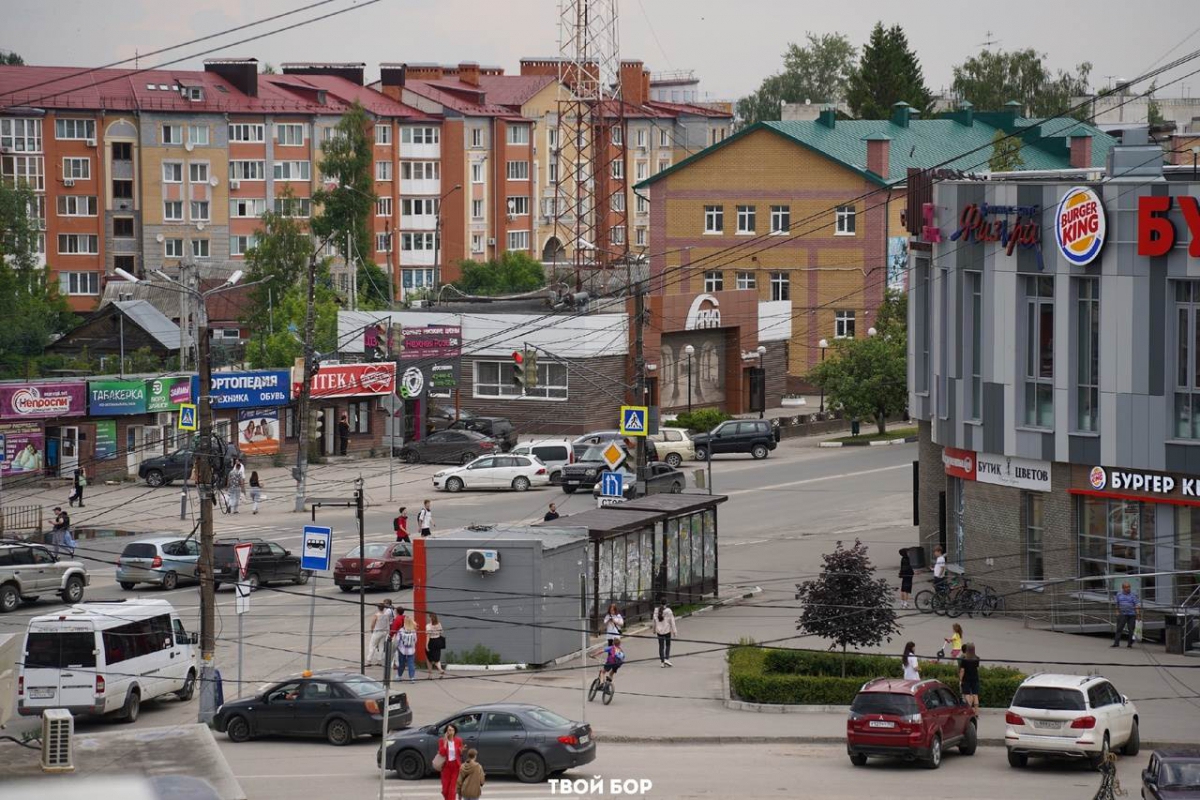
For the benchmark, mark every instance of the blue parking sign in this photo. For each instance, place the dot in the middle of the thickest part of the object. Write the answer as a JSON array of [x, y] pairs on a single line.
[[612, 484], [316, 549]]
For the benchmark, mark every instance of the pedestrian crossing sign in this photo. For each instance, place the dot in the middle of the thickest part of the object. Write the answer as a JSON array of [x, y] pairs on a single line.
[[187, 417], [633, 420]]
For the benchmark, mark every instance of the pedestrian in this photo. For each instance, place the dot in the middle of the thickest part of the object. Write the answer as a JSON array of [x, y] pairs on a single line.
[[400, 525], [955, 640], [79, 482], [237, 486], [614, 621], [425, 520], [62, 522], [912, 671], [664, 627], [256, 492], [68, 542], [406, 651], [471, 777], [398, 620], [1129, 611], [906, 578], [381, 623], [552, 514], [343, 432], [939, 569], [435, 643], [968, 677], [450, 753]]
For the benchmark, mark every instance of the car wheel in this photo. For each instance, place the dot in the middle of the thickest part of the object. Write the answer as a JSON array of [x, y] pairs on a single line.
[[466, 458], [10, 598], [935, 753], [237, 729], [396, 582], [133, 706], [530, 768], [674, 460], [127, 585], [520, 483], [73, 593], [676, 488], [1099, 758], [339, 732], [760, 451], [1134, 743], [858, 759], [345, 587], [1018, 760], [556, 477], [702, 454], [970, 740], [410, 456], [454, 485], [569, 489], [303, 577], [409, 765], [154, 478], [170, 581], [189, 687]]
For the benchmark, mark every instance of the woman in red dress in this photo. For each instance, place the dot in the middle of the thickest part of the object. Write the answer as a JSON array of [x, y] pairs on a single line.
[[450, 747]]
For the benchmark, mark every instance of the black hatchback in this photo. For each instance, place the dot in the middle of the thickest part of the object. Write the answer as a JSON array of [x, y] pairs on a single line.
[[335, 705], [498, 429], [269, 563]]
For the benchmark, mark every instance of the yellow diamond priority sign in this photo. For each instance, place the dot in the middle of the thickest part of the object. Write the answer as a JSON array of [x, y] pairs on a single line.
[[613, 455]]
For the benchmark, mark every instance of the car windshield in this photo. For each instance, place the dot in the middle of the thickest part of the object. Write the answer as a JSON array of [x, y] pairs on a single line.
[[900, 705], [139, 551], [594, 453], [364, 687], [547, 718], [1049, 698], [373, 551]]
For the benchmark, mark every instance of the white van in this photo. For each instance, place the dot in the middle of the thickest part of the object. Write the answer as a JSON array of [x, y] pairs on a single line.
[[106, 657]]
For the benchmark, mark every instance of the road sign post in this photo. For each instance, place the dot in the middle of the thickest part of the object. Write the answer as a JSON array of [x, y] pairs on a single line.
[[187, 417], [242, 553], [612, 488], [634, 420], [315, 553]]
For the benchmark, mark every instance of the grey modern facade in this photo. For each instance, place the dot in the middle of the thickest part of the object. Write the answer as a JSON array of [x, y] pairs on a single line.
[[1054, 371]]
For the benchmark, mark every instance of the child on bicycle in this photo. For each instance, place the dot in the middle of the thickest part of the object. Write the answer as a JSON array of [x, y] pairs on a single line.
[[614, 657]]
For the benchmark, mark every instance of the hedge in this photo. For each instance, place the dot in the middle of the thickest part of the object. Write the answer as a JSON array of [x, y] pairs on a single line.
[[796, 677]]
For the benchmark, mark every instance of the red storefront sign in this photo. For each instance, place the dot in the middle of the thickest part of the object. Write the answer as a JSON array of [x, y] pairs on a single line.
[[959, 463], [352, 380], [1156, 233]]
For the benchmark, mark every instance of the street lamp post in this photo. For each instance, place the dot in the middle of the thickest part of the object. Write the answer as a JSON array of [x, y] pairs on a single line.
[[1195, 155], [762, 351], [689, 351], [437, 240], [824, 345]]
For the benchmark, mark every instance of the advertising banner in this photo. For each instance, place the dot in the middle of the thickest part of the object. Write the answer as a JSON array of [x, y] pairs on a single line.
[[959, 463], [433, 341], [352, 380], [106, 440], [258, 432], [111, 398], [1019, 473], [24, 448], [43, 400], [166, 394], [264, 389]]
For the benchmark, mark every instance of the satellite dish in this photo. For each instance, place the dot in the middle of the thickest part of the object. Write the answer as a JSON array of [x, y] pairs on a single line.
[[199, 226], [189, 147], [213, 181], [160, 238]]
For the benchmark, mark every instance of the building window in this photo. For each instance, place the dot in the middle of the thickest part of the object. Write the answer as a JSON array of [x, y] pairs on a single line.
[[122, 227], [921, 311], [123, 151], [294, 170], [617, 235], [79, 282], [240, 245], [1039, 351], [843, 324], [640, 236], [172, 134], [246, 133], [781, 219], [381, 242], [518, 134], [173, 210], [618, 170], [122, 190], [781, 286], [300, 207], [421, 135], [21, 135], [974, 288], [714, 219], [247, 207], [383, 134], [383, 170], [476, 242], [617, 202], [26, 170], [552, 171], [747, 280], [172, 172], [518, 240], [1118, 540], [491, 379], [746, 216], [1087, 337], [640, 137], [200, 248], [664, 164], [664, 137], [844, 221], [476, 172], [518, 206], [73, 244], [477, 137], [173, 248], [417, 241], [518, 170], [198, 172], [618, 135], [641, 170], [1033, 505], [247, 171], [714, 281], [419, 207], [383, 206], [76, 205], [416, 278], [74, 129], [197, 135], [420, 170], [1187, 359], [642, 204], [476, 209], [79, 169]]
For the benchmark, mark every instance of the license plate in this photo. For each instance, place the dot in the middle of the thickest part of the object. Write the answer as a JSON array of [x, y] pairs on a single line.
[[584, 739], [38, 693], [1041, 723], [350, 578], [880, 723]]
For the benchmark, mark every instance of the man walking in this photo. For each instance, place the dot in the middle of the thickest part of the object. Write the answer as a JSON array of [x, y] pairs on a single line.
[[425, 520], [1129, 611], [939, 569], [343, 433], [552, 514]]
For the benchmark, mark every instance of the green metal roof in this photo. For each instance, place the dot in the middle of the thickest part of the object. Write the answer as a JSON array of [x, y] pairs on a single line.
[[926, 143]]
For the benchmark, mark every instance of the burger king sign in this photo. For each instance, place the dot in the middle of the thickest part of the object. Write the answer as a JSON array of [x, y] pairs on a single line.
[[1079, 226]]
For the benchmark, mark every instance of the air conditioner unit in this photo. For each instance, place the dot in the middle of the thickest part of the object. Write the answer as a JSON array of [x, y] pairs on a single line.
[[68, 182], [91, 142], [483, 561], [58, 727], [166, 419], [491, 241], [235, 184]]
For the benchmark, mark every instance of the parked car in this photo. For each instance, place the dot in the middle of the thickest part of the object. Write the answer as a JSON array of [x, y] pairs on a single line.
[[554, 453], [758, 437], [331, 704], [1172, 775], [447, 447], [585, 471], [162, 470], [269, 563], [161, 560], [494, 472], [582, 444], [519, 739], [912, 720], [1069, 716], [389, 564], [28, 571], [499, 429], [674, 445], [661, 478], [440, 417]]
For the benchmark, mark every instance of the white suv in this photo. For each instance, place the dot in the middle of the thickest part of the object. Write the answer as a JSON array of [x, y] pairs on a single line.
[[1071, 716]]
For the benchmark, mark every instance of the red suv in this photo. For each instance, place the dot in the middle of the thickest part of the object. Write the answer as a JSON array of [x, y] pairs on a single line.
[[910, 720]]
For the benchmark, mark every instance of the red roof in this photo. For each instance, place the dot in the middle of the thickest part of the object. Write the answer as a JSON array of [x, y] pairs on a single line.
[[450, 93], [674, 109], [347, 92], [513, 90]]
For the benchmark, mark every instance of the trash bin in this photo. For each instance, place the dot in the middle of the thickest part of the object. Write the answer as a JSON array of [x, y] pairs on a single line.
[[1173, 635], [916, 557], [854, 427]]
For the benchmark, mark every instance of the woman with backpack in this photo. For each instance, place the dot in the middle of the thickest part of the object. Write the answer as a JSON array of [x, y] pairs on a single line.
[[664, 627]]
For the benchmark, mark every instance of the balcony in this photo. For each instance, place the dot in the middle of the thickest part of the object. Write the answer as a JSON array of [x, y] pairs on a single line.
[[431, 186], [424, 151], [421, 222], [416, 258]]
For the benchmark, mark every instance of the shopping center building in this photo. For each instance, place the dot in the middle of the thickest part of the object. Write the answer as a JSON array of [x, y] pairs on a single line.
[[1054, 370]]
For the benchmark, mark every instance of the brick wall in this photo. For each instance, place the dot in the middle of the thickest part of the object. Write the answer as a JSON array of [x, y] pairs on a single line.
[[933, 481]]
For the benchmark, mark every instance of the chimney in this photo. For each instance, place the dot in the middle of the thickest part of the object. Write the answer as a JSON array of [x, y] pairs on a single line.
[[1012, 110], [879, 146], [468, 72], [632, 83], [828, 117], [423, 72], [1081, 149], [901, 112], [241, 72], [539, 66], [965, 115], [352, 72]]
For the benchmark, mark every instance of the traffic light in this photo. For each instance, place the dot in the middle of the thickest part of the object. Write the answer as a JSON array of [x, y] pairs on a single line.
[[518, 370], [531, 368], [318, 428]]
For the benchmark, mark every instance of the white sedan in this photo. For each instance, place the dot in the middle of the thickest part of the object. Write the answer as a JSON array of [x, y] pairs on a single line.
[[494, 472]]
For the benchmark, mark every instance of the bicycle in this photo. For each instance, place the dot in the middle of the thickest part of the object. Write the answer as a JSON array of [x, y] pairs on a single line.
[[605, 686], [936, 600]]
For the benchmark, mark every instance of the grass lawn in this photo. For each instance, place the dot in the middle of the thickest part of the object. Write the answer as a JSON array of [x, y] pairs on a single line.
[[873, 436]]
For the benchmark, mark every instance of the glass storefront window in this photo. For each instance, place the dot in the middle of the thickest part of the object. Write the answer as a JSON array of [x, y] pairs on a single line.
[[1187, 551], [1117, 538]]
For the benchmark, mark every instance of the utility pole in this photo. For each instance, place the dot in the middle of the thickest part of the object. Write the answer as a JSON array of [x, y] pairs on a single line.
[[302, 402], [351, 271], [204, 484], [639, 365]]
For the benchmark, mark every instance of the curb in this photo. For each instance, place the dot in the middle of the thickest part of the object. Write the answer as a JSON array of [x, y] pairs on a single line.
[[885, 443], [487, 667]]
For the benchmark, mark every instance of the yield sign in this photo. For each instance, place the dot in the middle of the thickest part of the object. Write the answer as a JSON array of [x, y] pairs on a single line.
[[242, 551]]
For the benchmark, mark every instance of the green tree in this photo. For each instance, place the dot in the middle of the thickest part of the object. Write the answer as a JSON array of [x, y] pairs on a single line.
[[888, 72], [891, 322], [372, 287], [279, 349], [1006, 153], [279, 259], [513, 272], [993, 78], [846, 604], [1154, 115], [817, 71], [11, 59], [347, 209], [866, 377]]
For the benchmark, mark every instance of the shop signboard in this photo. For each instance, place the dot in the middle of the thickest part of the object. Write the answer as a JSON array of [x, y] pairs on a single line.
[[427, 342], [258, 432], [959, 463], [1156, 234], [116, 398], [24, 448], [167, 394], [1010, 226], [352, 380], [43, 400], [1018, 473], [262, 389], [1079, 226], [106, 439]]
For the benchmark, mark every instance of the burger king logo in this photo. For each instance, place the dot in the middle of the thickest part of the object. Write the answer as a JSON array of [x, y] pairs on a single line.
[[1098, 478], [1080, 226]]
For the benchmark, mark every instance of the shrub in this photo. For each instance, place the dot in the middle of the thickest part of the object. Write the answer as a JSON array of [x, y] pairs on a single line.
[[702, 420], [476, 655]]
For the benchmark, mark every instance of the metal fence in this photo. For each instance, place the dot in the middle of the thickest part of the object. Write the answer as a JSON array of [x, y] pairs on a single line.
[[14, 519]]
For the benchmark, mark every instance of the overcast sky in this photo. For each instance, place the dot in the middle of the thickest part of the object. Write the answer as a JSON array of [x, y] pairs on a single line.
[[731, 45]]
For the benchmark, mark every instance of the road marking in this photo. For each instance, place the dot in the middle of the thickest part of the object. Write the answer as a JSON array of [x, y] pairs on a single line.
[[748, 541], [820, 478]]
